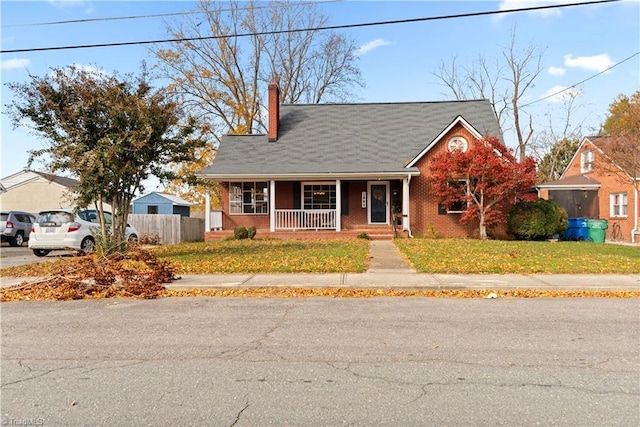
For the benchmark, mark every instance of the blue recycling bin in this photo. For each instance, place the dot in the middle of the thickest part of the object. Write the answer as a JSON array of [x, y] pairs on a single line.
[[576, 229]]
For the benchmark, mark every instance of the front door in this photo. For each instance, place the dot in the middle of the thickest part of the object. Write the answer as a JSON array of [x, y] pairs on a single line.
[[379, 203]]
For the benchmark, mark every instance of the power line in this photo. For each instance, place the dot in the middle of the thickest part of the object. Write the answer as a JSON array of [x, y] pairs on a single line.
[[583, 81], [333, 27], [158, 15]]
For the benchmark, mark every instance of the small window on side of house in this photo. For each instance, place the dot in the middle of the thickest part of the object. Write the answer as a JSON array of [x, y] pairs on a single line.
[[152, 209], [458, 206], [618, 205], [586, 161]]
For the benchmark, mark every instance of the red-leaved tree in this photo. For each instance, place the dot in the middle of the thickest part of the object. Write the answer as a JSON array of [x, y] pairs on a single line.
[[487, 176]]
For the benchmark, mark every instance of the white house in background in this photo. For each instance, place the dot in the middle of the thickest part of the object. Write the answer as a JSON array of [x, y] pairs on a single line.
[[34, 191]]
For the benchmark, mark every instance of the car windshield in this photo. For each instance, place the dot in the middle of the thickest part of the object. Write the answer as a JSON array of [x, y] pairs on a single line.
[[4, 217], [55, 218], [91, 215]]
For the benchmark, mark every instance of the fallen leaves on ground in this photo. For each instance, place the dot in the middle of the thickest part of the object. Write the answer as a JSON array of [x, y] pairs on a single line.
[[268, 256], [469, 256], [134, 274], [291, 292]]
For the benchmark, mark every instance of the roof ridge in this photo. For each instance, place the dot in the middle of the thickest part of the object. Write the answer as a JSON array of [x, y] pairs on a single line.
[[386, 103]]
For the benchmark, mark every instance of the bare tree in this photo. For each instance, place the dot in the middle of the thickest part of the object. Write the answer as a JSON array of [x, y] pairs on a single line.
[[504, 83], [222, 80], [557, 143]]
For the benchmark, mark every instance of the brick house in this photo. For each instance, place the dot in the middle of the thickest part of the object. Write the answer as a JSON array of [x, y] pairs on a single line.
[[586, 191], [342, 169]]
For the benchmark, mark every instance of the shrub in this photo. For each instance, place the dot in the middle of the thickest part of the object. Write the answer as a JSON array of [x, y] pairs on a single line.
[[363, 235], [240, 233], [537, 220], [251, 233]]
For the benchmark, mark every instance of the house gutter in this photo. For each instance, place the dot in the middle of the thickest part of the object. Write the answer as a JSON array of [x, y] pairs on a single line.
[[303, 176]]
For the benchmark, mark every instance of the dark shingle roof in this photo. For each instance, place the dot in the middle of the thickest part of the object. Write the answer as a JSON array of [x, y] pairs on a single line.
[[577, 181], [348, 138]]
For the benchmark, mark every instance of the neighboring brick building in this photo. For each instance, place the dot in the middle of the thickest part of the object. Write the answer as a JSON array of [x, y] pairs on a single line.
[[346, 168], [586, 190]]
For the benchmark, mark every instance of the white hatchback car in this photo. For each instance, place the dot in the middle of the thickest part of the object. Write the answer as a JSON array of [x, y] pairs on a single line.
[[62, 229]]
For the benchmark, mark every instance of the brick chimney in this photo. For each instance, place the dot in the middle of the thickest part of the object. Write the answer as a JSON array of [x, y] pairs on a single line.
[[274, 111]]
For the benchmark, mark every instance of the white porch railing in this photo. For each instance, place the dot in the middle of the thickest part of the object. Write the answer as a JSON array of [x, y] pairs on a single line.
[[296, 219]]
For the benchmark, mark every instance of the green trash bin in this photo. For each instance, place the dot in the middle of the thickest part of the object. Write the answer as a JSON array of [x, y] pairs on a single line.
[[597, 229]]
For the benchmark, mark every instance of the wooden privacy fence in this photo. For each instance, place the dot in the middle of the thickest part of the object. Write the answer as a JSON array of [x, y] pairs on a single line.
[[171, 229]]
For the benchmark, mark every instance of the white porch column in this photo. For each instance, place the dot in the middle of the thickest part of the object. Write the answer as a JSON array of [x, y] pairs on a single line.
[[272, 206], [636, 214], [338, 203], [207, 210], [405, 204]]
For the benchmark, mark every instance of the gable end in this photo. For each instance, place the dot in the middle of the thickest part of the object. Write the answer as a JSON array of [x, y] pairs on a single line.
[[457, 121]]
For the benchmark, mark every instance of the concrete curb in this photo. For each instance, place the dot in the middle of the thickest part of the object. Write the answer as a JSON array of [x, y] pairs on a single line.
[[399, 281]]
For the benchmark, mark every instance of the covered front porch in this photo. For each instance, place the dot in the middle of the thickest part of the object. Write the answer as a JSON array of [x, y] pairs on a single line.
[[315, 204]]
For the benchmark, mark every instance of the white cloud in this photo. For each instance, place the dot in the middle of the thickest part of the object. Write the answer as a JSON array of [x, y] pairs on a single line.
[[63, 4], [523, 4], [374, 44], [558, 94], [66, 3], [11, 64], [597, 63], [556, 71]]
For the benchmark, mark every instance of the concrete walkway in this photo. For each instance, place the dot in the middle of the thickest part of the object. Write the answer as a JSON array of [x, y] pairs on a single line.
[[385, 258]]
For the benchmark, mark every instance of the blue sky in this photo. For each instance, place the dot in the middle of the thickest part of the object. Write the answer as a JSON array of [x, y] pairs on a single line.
[[397, 61]]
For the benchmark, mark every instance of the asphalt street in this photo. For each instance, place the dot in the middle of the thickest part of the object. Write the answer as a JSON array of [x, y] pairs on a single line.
[[319, 361]]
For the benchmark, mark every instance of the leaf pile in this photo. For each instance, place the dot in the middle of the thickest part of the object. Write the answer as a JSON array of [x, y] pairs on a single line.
[[293, 292], [135, 274]]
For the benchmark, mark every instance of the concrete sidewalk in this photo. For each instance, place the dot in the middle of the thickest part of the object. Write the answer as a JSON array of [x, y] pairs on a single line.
[[609, 282], [399, 280], [389, 270]]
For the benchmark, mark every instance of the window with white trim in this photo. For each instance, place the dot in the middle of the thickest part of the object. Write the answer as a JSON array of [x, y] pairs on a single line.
[[318, 195], [618, 205], [586, 161], [248, 198]]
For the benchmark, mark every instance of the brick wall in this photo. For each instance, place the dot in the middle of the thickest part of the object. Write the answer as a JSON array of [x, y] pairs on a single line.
[[609, 183], [425, 218]]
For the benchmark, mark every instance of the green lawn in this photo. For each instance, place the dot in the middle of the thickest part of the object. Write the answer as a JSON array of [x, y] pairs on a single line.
[[268, 256], [454, 256], [459, 256]]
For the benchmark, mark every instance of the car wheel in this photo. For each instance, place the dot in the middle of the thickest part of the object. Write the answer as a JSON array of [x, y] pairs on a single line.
[[133, 239], [87, 245], [17, 241], [41, 252]]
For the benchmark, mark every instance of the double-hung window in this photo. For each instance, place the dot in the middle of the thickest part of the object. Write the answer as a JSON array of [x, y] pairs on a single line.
[[586, 161], [618, 204], [248, 198]]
